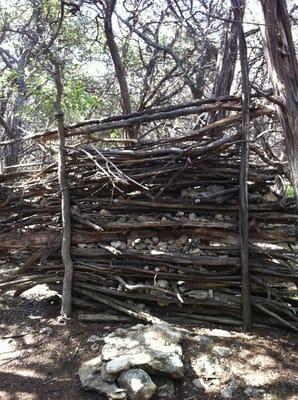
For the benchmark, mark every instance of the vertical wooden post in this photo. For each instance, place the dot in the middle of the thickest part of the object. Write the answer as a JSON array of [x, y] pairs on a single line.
[[238, 8], [65, 200]]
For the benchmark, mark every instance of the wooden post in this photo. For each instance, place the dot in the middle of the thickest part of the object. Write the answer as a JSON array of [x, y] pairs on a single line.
[[65, 200], [238, 8]]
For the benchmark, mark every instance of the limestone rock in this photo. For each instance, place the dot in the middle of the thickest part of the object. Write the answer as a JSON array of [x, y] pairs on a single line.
[[104, 213], [208, 367], [119, 245], [221, 351], [91, 379], [119, 364], [153, 348], [138, 384], [204, 340], [192, 217], [94, 339], [200, 384], [251, 391], [229, 391]]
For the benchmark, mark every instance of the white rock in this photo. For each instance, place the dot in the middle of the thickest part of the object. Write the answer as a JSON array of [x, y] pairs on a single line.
[[94, 347], [119, 245], [221, 351], [219, 217], [94, 338], [46, 331], [207, 366], [204, 340], [154, 348], [104, 213], [119, 364], [229, 391], [198, 294], [200, 384], [91, 379], [162, 283], [192, 217], [138, 384]]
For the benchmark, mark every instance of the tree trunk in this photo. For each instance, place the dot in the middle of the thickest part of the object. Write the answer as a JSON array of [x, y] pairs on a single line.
[[225, 67], [65, 201], [119, 67], [238, 8], [283, 71]]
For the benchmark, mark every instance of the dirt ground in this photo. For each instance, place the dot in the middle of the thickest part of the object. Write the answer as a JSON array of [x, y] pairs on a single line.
[[39, 357]]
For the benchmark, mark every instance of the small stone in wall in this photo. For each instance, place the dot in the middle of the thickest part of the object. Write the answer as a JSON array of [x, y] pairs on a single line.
[[119, 245], [104, 213], [192, 217]]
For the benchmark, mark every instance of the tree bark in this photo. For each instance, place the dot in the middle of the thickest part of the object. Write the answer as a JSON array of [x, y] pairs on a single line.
[[65, 201], [119, 67], [238, 9], [225, 67], [283, 71]]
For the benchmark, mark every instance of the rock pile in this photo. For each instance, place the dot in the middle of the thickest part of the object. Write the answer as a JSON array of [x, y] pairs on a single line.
[[130, 357]]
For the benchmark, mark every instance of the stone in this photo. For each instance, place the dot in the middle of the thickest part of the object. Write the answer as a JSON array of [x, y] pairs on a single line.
[[118, 364], [162, 283], [94, 347], [165, 389], [192, 217], [94, 338], [119, 245], [206, 366], [200, 384], [91, 379], [196, 251], [251, 391], [46, 331], [221, 351], [104, 213], [153, 348], [198, 294], [138, 384], [219, 217], [186, 249], [221, 333], [162, 246], [140, 246], [229, 391], [204, 340], [130, 242], [182, 241], [106, 376]]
